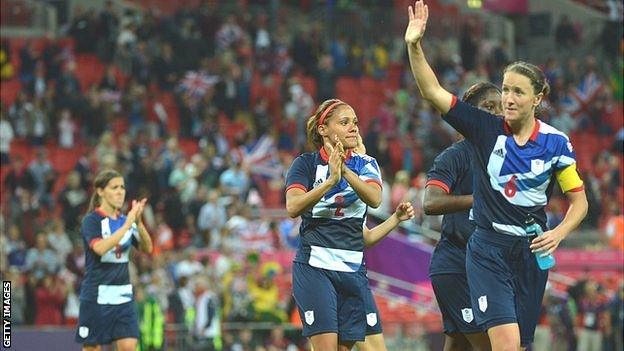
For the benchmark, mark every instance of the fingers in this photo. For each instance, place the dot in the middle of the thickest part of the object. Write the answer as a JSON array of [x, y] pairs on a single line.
[[410, 13], [329, 148]]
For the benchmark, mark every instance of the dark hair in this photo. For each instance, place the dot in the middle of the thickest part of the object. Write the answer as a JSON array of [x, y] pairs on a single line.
[[100, 182], [534, 73], [314, 138], [476, 93]]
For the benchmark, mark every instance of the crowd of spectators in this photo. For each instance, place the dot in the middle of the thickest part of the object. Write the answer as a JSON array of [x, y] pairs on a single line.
[[207, 209]]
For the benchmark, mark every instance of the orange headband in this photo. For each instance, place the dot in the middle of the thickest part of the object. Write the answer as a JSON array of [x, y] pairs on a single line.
[[322, 119]]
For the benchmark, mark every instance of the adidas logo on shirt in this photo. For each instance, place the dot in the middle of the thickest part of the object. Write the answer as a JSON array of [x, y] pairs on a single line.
[[499, 153]]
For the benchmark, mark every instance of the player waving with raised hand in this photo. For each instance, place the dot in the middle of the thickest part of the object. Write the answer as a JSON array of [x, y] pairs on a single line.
[[518, 160]]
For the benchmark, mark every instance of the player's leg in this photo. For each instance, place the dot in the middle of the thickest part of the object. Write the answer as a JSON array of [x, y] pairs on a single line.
[[316, 299], [326, 341], [490, 279], [456, 342], [453, 297], [353, 291], [479, 341], [126, 344], [530, 285], [126, 327], [94, 326], [373, 342]]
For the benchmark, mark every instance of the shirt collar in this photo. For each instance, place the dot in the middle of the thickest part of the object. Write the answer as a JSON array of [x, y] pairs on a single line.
[[534, 134], [325, 155]]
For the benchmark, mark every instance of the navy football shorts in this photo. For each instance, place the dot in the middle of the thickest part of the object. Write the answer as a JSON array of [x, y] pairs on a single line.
[[102, 324], [506, 285], [453, 296], [373, 320], [331, 301]]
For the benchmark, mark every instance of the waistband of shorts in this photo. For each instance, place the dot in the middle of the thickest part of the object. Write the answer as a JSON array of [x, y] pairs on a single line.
[[501, 240]]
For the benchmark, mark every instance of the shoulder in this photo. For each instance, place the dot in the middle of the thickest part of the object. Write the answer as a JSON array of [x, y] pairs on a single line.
[[458, 151], [554, 137], [547, 129], [364, 157], [92, 217]]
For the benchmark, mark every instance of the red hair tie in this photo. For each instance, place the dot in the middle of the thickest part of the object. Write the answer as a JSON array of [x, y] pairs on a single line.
[[322, 119]]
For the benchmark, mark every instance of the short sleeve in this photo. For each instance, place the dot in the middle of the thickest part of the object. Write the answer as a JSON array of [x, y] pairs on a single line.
[[566, 155], [298, 175], [446, 168], [91, 230], [471, 122], [370, 173]]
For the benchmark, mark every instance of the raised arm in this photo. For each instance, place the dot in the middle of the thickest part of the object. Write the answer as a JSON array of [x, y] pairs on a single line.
[[428, 84], [404, 211]]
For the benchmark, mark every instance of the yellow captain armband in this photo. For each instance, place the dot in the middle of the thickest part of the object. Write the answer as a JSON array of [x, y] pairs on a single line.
[[569, 179]]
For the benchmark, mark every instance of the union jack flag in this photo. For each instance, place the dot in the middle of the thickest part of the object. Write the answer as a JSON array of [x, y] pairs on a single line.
[[262, 158], [196, 84], [580, 98]]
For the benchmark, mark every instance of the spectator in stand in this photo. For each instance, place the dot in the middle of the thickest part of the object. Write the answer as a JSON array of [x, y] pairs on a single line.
[[614, 229], [15, 248], [72, 199], [40, 260], [53, 57], [83, 30], [207, 318], [6, 67], [58, 240], [265, 298], [28, 61], [38, 124], [50, 296], [44, 175], [616, 311], [109, 81], [277, 341], [234, 181], [166, 68], [66, 130], [565, 35], [18, 114], [38, 85], [6, 137], [229, 34], [211, 220], [593, 311]]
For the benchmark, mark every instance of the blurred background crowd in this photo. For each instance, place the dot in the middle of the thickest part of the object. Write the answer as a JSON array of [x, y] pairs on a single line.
[[202, 105]]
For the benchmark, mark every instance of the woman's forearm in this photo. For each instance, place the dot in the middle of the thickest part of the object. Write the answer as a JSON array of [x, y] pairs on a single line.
[[145, 243], [427, 82], [369, 193], [297, 203], [373, 236], [575, 214], [104, 245]]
